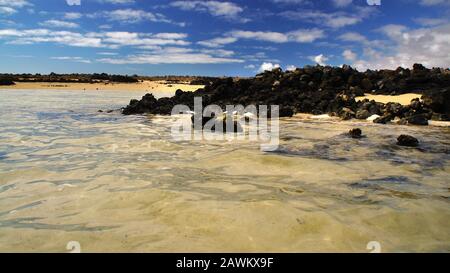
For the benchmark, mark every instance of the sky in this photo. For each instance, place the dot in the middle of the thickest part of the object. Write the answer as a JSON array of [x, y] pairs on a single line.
[[220, 38]]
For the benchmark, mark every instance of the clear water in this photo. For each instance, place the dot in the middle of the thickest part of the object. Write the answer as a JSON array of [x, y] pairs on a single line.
[[115, 183]]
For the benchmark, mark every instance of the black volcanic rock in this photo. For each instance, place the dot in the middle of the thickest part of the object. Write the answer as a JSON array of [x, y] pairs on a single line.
[[384, 119], [5, 81], [346, 113], [407, 141], [355, 133], [438, 100], [236, 127], [363, 114], [418, 120], [320, 90]]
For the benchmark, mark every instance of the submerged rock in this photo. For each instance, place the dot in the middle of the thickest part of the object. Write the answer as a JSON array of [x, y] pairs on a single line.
[[204, 121], [407, 141], [355, 133]]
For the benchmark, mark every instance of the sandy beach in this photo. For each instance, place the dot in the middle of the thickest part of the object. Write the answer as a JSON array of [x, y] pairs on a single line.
[[149, 86], [404, 99]]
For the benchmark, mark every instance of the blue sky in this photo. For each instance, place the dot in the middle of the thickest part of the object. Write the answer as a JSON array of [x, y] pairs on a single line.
[[234, 37]]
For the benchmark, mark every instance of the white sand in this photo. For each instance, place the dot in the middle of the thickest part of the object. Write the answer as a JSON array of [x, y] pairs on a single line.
[[150, 86], [404, 99]]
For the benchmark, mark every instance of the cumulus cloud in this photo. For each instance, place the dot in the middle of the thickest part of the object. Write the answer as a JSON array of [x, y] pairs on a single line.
[[305, 35], [429, 46], [353, 37], [291, 68], [268, 67], [319, 59], [349, 55]]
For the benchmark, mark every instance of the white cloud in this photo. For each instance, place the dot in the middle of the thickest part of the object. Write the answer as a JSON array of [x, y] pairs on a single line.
[[72, 59], [222, 9], [218, 52], [9, 7], [392, 30], [171, 35], [173, 55], [141, 39], [58, 24], [349, 55], [298, 36], [342, 3], [434, 2], [429, 46], [7, 10], [132, 16], [15, 3], [268, 67], [268, 36], [353, 37], [332, 20], [72, 15], [73, 2], [107, 53], [319, 59], [291, 68], [430, 22], [305, 35], [291, 1], [118, 1], [218, 42], [93, 39]]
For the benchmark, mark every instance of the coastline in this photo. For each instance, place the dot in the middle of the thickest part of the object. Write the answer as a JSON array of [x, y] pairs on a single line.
[[148, 86]]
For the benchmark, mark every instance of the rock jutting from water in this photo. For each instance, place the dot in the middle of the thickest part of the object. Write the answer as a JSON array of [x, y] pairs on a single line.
[[355, 133], [322, 90], [407, 141]]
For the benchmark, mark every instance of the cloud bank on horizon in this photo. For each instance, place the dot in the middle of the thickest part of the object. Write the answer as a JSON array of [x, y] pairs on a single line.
[[231, 37]]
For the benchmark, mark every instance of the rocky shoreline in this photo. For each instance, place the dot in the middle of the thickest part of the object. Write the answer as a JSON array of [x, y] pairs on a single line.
[[323, 90]]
